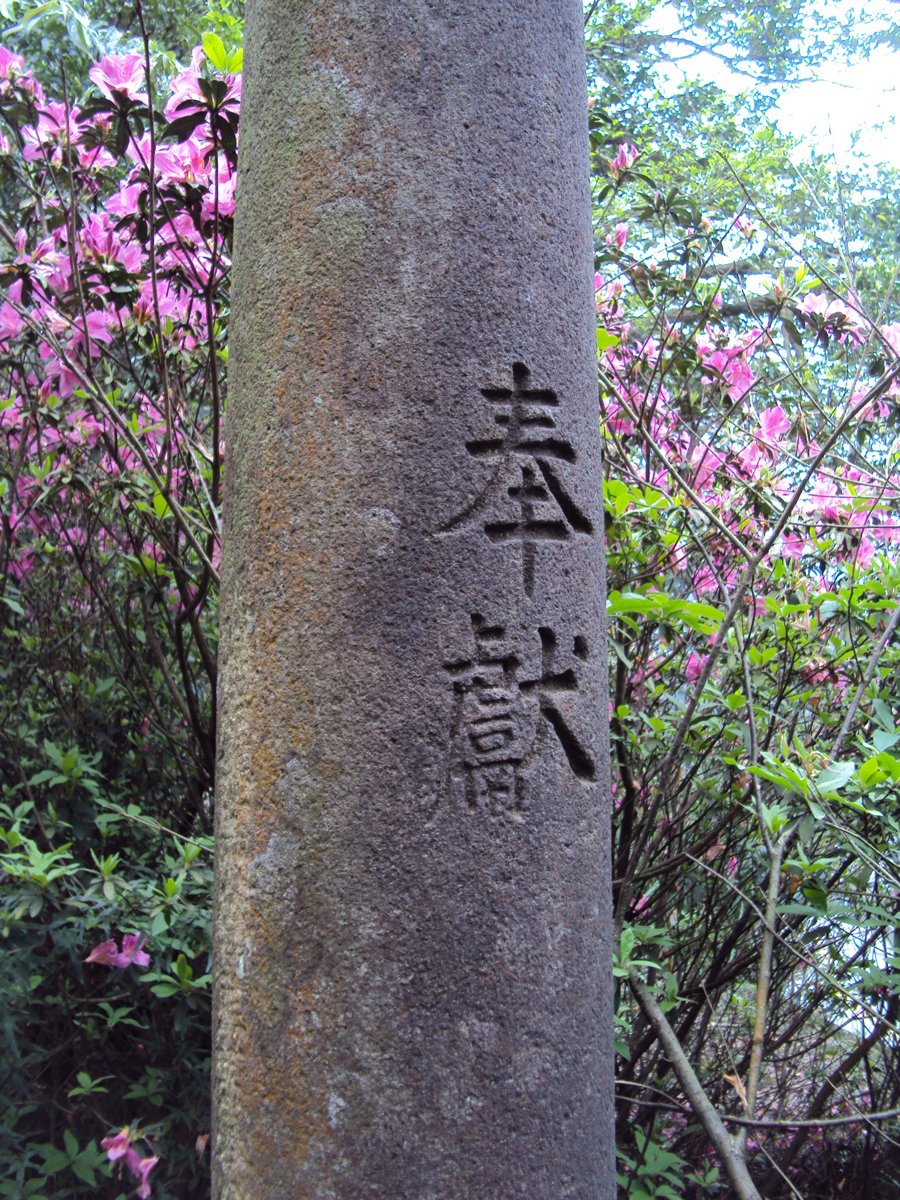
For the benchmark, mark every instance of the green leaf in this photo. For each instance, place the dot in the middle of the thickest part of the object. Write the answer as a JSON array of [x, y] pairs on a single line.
[[626, 944], [182, 127], [166, 989], [784, 775], [85, 1172], [123, 133], [816, 895], [835, 776], [214, 50], [78, 33], [51, 6], [775, 818], [46, 777], [183, 970], [884, 715], [55, 1161], [605, 340]]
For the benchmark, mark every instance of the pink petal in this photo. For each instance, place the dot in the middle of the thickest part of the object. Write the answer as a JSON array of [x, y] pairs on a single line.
[[118, 1146], [106, 954], [132, 952]]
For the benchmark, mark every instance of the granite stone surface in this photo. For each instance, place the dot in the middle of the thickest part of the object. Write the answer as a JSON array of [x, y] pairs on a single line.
[[412, 978]]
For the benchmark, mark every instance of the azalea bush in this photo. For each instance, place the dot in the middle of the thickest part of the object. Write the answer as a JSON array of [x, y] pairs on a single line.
[[750, 412], [748, 401], [114, 259]]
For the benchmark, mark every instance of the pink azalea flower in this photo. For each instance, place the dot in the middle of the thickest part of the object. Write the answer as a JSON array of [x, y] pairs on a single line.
[[119, 1149], [745, 226], [56, 125], [864, 552], [132, 952], [619, 236], [140, 1168], [693, 667], [707, 462], [186, 96], [739, 378], [107, 954], [185, 87], [838, 317], [145, 1166], [100, 241], [877, 410], [827, 500], [144, 305], [220, 199], [10, 64], [11, 324], [814, 303], [20, 566], [118, 1146], [773, 423], [730, 364], [13, 73], [122, 74], [705, 582], [97, 158], [623, 159], [617, 419], [125, 202]]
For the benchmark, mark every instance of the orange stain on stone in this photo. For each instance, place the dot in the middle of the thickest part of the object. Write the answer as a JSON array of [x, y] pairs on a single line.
[[291, 1110]]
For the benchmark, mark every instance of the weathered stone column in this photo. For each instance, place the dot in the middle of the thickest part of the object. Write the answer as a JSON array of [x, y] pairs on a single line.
[[413, 940]]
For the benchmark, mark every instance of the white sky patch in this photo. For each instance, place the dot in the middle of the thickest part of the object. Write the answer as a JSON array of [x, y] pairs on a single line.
[[854, 112], [851, 112]]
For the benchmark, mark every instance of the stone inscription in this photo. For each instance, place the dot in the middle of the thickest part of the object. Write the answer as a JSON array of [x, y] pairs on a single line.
[[500, 719], [525, 500]]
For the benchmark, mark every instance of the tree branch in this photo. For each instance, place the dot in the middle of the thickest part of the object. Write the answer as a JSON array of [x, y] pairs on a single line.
[[703, 1108]]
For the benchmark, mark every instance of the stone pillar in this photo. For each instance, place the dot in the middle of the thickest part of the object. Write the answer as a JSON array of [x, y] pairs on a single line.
[[412, 929]]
